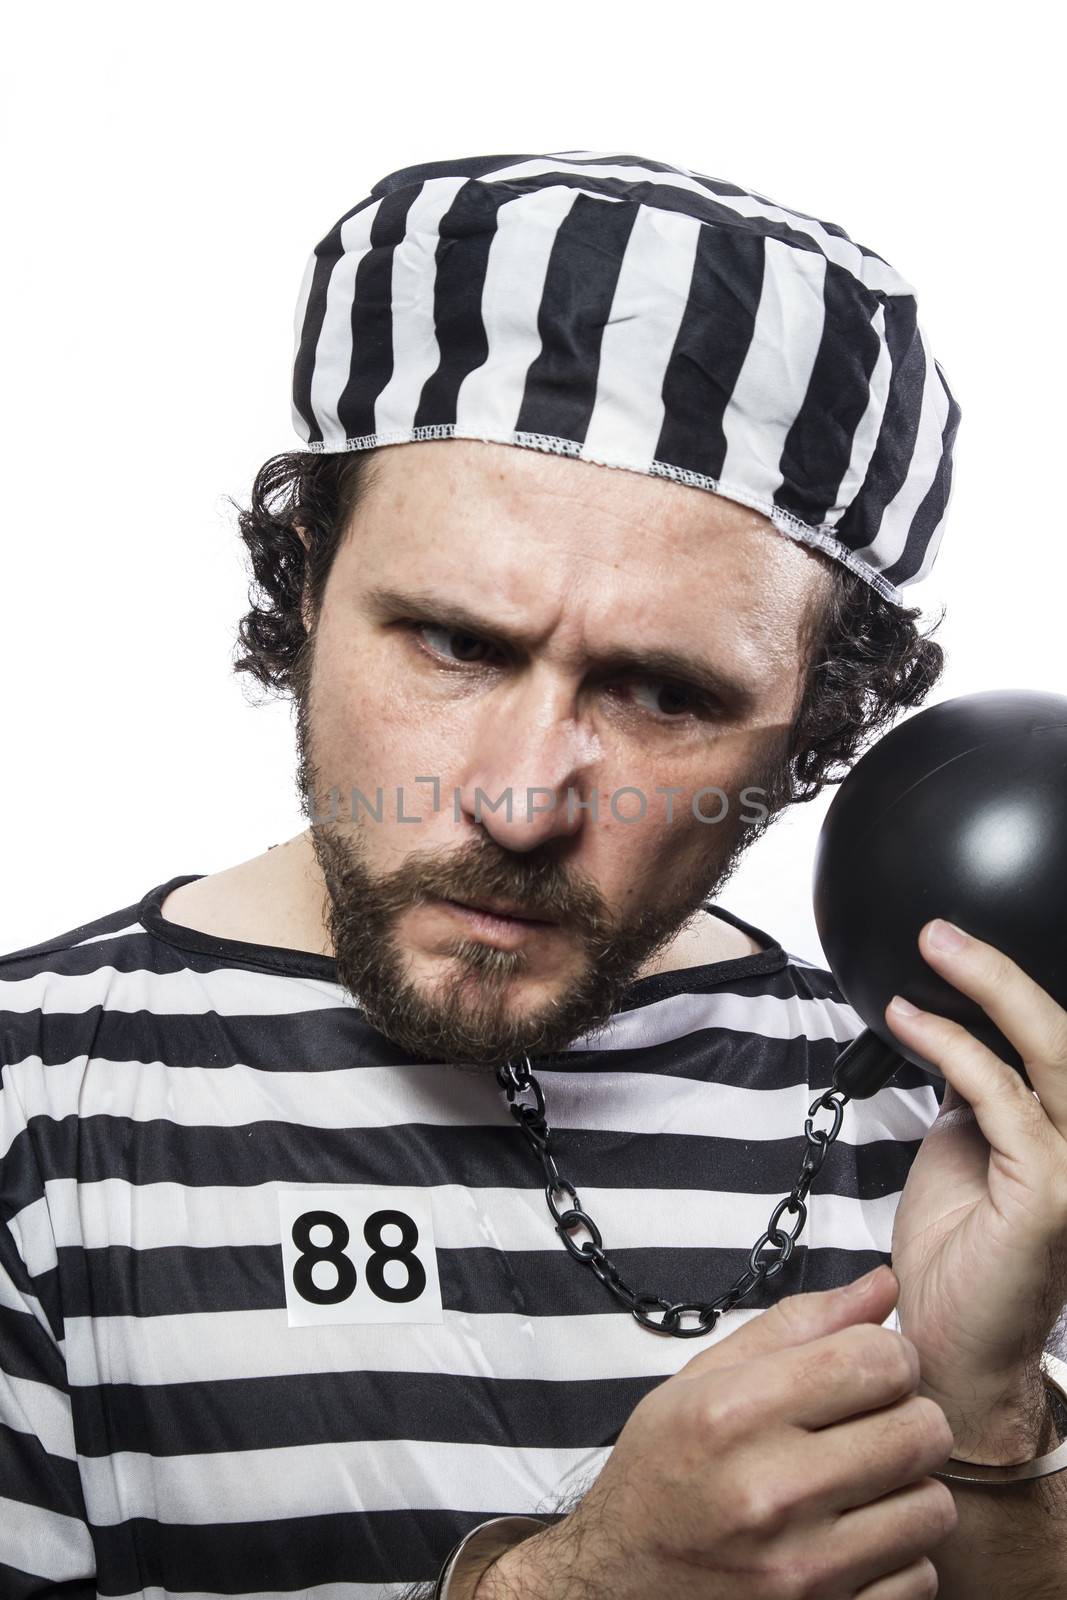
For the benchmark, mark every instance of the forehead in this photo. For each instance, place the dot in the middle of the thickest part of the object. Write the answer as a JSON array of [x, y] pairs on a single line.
[[541, 539]]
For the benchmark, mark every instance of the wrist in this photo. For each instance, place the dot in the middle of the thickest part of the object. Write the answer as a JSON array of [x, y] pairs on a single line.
[[477, 1551], [528, 1570], [998, 1421], [1006, 1435], [499, 1581], [1051, 1458]]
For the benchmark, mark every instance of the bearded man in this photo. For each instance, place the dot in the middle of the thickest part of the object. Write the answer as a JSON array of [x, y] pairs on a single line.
[[361, 1197]]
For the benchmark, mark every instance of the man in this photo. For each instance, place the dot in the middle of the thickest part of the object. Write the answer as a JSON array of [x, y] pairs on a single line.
[[284, 1309]]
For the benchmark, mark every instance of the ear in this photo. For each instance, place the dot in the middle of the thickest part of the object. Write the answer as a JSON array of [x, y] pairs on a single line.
[[304, 535]]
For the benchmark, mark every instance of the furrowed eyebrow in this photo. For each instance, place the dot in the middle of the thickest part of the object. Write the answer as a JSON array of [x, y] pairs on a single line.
[[687, 670]]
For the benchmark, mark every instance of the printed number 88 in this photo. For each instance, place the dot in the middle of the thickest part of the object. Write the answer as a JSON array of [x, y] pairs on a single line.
[[334, 1253]]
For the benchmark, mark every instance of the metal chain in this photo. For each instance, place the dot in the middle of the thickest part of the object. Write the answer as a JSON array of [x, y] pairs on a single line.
[[517, 1080]]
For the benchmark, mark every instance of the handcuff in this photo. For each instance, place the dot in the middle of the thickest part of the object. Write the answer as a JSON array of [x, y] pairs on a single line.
[[469, 1560]]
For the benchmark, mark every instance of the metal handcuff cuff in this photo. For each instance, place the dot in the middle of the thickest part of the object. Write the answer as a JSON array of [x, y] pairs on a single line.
[[480, 1548]]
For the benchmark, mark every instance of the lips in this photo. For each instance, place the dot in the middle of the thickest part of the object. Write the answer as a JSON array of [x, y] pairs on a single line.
[[499, 909]]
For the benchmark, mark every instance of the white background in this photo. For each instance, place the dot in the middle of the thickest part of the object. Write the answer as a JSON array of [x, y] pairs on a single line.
[[168, 171]]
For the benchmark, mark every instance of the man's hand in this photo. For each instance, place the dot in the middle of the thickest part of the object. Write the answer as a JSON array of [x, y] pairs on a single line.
[[980, 1233], [789, 1459]]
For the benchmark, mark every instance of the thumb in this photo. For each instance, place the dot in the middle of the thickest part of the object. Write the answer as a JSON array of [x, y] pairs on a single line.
[[802, 1317]]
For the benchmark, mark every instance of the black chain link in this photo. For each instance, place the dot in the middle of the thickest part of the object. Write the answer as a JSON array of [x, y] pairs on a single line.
[[517, 1080]]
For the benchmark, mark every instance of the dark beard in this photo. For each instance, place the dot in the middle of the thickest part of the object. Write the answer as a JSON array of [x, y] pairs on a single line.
[[468, 1019]]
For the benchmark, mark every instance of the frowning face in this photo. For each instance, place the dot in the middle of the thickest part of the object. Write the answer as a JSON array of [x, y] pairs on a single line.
[[524, 671]]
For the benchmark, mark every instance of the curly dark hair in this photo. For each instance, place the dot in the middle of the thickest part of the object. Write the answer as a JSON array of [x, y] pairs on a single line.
[[866, 659]]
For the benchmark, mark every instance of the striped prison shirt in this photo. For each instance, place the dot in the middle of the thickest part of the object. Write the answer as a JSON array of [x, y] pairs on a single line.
[[283, 1312]]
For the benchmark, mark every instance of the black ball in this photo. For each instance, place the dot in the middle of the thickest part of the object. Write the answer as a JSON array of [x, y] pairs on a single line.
[[960, 812]]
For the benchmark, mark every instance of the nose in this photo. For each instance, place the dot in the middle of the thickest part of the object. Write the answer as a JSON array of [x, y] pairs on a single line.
[[527, 776]]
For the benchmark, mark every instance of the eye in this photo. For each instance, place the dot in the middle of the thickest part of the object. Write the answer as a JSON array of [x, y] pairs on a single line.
[[671, 701], [464, 646], [668, 700]]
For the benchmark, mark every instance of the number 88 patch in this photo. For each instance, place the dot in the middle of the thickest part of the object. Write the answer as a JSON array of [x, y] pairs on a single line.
[[358, 1255]]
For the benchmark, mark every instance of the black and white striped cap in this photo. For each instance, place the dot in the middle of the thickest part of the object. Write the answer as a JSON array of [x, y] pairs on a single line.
[[643, 316]]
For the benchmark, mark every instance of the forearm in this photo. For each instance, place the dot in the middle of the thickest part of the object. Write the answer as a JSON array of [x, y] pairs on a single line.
[[1011, 1539], [1009, 1544]]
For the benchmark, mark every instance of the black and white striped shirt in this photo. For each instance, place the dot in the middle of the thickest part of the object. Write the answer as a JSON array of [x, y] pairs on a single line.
[[165, 1426]]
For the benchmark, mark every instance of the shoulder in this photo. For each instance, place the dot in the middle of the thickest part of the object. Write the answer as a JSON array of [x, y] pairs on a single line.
[[72, 952], [53, 996], [61, 983]]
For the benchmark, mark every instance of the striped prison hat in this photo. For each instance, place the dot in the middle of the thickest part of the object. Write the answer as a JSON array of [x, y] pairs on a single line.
[[638, 315]]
